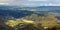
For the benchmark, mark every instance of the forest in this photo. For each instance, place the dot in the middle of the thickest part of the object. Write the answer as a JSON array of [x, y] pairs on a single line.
[[32, 22]]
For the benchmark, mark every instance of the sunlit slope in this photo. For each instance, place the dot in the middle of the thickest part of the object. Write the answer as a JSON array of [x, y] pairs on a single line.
[[43, 22]]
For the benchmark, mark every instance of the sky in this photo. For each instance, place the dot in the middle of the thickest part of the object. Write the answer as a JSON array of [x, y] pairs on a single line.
[[30, 3]]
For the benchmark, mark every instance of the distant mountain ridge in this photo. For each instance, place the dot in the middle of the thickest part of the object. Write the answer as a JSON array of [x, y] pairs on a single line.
[[16, 12], [39, 8]]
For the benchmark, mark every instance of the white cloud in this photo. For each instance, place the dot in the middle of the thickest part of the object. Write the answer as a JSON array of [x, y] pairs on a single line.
[[7, 1], [53, 4], [50, 4], [30, 2], [4, 3], [56, 0], [37, 0]]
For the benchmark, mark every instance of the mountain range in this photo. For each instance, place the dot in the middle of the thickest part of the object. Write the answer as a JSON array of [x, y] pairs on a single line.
[[18, 12]]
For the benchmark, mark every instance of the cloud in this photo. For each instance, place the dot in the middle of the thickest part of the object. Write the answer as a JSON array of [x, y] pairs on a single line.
[[57, 1], [37, 0], [50, 4], [30, 2], [4, 3], [55, 5]]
